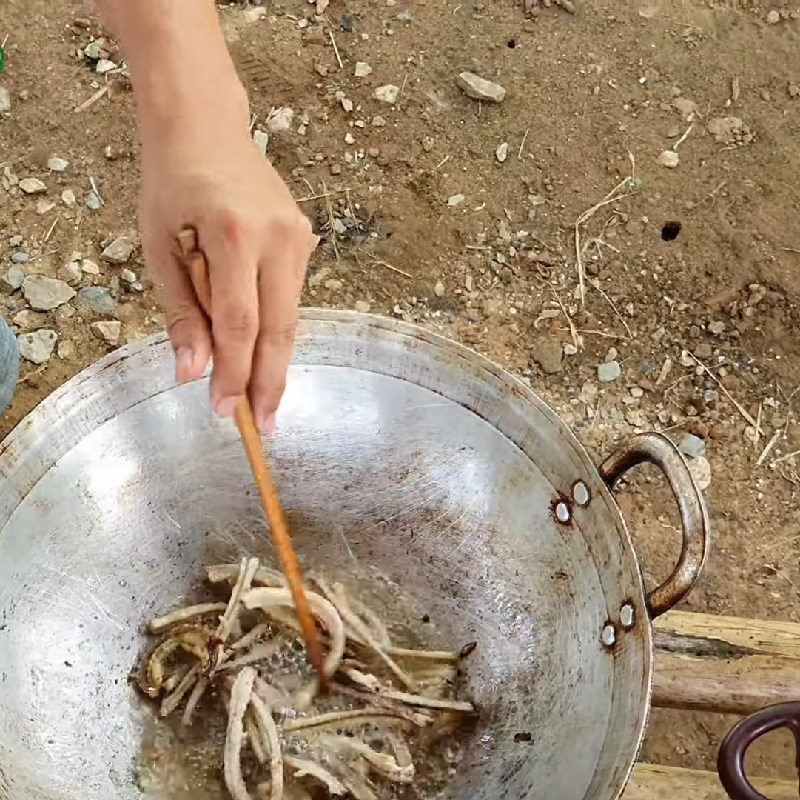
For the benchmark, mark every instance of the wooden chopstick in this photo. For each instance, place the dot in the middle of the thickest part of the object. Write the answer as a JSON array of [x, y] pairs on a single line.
[[251, 439]]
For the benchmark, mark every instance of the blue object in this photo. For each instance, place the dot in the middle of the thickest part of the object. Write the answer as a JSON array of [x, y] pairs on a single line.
[[9, 364]]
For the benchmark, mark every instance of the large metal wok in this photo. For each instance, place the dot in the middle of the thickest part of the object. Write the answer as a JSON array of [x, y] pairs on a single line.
[[397, 451]]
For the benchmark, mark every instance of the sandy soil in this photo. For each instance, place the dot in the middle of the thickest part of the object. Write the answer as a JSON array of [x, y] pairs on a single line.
[[593, 98]]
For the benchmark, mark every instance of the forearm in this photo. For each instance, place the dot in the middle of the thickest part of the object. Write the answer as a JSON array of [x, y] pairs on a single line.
[[180, 67]]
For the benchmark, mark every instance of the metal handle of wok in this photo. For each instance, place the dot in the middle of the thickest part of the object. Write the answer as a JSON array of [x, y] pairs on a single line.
[[730, 763], [656, 449]]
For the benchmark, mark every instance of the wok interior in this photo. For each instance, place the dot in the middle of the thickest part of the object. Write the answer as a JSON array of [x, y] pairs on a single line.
[[380, 476]]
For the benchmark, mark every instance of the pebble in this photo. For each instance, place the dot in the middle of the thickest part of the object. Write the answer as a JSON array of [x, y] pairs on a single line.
[[349, 138], [14, 277], [119, 251], [5, 100], [479, 88], [280, 119], [669, 159], [692, 446], [548, 353], [347, 105], [255, 14], [609, 371], [388, 93], [32, 186], [261, 138], [93, 202], [502, 152], [16, 240], [362, 306], [56, 164], [127, 276], [107, 331], [104, 65], [774, 17], [456, 200], [90, 267], [362, 69], [701, 472], [96, 300], [66, 349], [71, 273], [794, 91], [438, 289], [28, 320], [428, 143], [717, 328], [45, 294], [94, 49], [37, 347], [378, 122], [43, 206], [68, 198], [20, 257]]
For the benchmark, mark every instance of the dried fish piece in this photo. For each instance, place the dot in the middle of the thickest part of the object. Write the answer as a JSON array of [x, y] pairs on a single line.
[[271, 743], [304, 767], [428, 702], [194, 698], [192, 640], [240, 698], [246, 572], [261, 652], [341, 719], [182, 615], [251, 637], [173, 700], [263, 575], [382, 763]]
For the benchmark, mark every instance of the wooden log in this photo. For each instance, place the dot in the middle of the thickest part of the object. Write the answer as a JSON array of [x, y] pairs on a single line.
[[653, 782], [725, 664]]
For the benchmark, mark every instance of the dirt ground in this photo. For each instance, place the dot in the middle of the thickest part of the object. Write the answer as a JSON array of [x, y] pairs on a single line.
[[593, 98]]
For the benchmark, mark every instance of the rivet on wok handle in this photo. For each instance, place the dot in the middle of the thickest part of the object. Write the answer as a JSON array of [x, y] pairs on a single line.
[[730, 762], [657, 449]]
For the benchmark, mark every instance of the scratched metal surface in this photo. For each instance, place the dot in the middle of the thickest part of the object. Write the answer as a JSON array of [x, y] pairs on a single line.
[[398, 451]]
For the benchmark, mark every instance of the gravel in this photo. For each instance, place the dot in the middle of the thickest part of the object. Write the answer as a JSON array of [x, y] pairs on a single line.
[[45, 294], [609, 372], [479, 88], [119, 251], [692, 446], [37, 347], [96, 300]]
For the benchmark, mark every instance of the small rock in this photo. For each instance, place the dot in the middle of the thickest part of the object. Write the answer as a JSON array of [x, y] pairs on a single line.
[[378, 122], [32, 186], [774, 17], [90, 267], [127, 276], [636, 419], [428, 143], [68, 198], [701, 472], [96, 300], [28, 320], [20, 257], [609, 371], [685, 107], [71, 273], [16, 240], [362, 306], [66, 349], [692, 446], [438, 289], [119, 251], [794, 91], [14, 277], [349, 138], [45, 294], [56, 164], [94, 49], [669, 159], [703, 350], [502, 152], [548, 353], [347, 105], [717, 328], [730, 131], [107, 331], [479, 88], [5, 100], [255, 14], [334, 284], [44, 205], [104, 65], [261, 138], [93, 201], [280, 120], [456, 200], [362, 69], [37, 347], [388, 93]]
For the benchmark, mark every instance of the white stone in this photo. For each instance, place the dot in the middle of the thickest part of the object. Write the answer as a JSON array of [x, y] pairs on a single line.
[[5, 100], [456, 200], [261, 138], [347, 104], [68, 198], [502, 152], [701, 472], [255, 14], [349, 138], [45, 294], [438, 289], [32, 186], [280, 119], [37, 347], [362, 306], [14, 277], [774, 17], [90, 267], [104, 65], [108, 332], [362, 69], [56, 164], [669, 159], [127, 276], [119, 251], [608, 371], [71, 273], [388, 93], [479, 88]]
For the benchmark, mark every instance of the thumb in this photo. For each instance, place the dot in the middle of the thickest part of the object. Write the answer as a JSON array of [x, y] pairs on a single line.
[[187, 325]]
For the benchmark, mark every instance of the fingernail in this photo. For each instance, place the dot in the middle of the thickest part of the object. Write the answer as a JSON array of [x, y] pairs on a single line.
[[184, 358], [226, 407]]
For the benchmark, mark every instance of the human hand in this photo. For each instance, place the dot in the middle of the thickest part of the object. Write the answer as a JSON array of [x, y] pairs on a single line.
[[257, 244]]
